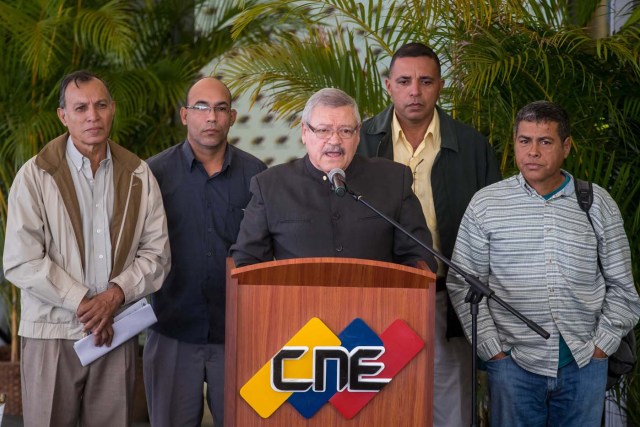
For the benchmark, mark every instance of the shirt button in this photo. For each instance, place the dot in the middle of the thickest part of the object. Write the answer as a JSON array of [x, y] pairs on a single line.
[[208, 253], [209, 229], [100, 256], [336, 215], [98, 231], [339, 248]]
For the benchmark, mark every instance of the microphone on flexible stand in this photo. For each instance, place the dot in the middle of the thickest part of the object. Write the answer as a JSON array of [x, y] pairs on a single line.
[[337, 177]]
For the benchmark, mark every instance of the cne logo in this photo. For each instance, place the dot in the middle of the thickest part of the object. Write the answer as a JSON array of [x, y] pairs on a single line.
[[346, 370], [356, 369]]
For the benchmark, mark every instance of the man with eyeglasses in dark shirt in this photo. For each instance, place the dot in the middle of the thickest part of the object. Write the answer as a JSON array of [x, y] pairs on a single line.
[[205, 187]]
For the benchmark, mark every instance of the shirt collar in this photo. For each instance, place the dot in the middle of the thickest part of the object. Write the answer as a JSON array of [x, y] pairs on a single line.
[[562, 186], [191, 160], [566, 190], [432, 130], [321, 177], [188, 154], [77, 158], [317, 174]]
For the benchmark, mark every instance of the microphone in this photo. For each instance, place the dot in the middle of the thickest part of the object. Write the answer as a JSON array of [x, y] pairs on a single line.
[[338, 178]]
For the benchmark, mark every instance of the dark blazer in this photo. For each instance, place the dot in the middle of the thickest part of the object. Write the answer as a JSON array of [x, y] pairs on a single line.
[[293, 213]]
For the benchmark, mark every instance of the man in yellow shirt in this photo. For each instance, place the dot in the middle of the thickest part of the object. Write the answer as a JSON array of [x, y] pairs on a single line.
[[450, 161]]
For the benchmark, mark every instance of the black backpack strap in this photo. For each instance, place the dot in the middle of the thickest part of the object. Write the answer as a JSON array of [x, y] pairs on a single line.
[[624, 359], [584, 194]]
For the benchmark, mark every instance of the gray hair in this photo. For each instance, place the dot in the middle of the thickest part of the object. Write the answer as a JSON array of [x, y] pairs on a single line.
[[329, 97]]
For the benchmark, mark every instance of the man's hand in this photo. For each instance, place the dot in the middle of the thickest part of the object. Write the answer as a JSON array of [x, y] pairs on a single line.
[[105, 337], [599, 354], [499, 356], [96, 314]]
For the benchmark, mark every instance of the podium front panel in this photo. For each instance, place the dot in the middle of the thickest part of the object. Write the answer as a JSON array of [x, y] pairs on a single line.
[[266, 316]]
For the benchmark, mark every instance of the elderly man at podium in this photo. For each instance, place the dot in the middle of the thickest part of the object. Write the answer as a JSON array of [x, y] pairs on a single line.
[[295, 211]]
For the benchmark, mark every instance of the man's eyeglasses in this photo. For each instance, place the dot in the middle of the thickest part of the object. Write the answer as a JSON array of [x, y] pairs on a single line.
[[325, 133], [204, 108]]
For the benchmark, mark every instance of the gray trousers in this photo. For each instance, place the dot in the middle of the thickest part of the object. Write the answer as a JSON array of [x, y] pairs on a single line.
[[452, 373], [174, 376], [58, 391]]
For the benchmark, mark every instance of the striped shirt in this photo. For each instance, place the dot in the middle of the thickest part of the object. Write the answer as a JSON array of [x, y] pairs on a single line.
[[540, 256]]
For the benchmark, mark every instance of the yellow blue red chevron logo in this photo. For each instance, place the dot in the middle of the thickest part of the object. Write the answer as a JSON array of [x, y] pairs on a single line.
[[316, 367]]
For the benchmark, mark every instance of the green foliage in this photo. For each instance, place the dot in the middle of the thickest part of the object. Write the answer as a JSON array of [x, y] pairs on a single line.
[[294, 67], [497, 56], [149, 51]]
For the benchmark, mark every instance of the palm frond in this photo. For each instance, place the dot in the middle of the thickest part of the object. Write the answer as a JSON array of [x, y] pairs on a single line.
[[303, 67], [107, 30]]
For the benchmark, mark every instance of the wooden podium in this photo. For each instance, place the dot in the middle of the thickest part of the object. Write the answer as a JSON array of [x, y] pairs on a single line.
[[268, 303]]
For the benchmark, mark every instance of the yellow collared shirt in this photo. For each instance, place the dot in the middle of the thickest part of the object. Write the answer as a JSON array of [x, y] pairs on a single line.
[[421, 161]]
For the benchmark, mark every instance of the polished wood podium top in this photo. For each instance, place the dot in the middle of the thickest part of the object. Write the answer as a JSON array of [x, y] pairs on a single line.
[[352, 272]]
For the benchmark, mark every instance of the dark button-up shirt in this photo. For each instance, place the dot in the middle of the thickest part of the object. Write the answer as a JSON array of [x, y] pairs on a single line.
[[204, 214]]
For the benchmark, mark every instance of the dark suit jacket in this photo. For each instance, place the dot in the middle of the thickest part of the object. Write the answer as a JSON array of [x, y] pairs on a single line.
[[293, 213]]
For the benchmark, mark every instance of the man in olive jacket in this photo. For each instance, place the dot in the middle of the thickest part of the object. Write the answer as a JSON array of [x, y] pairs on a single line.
[[450, 161]]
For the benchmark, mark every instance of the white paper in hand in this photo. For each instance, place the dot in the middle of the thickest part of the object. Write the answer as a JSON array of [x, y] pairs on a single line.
[[126, 325]]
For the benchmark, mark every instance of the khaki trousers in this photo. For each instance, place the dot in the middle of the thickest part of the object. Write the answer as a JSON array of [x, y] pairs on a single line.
[[58, 391]]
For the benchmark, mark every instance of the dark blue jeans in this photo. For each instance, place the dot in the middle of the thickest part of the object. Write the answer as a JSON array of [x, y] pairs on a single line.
[[522, 398]]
